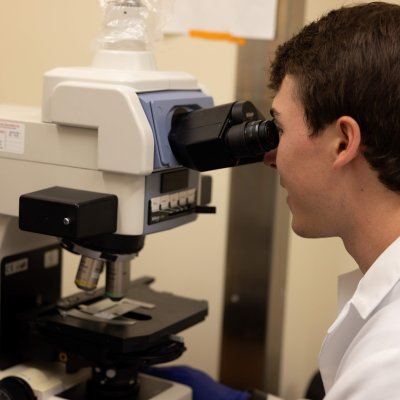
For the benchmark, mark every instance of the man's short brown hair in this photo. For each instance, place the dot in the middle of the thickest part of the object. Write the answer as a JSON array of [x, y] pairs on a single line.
[[348, 63]]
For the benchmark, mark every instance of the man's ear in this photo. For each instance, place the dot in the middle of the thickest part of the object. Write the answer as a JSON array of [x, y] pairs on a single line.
[[347, 142]]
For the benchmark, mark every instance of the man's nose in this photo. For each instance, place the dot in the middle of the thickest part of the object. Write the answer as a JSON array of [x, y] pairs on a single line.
[[270, 158]]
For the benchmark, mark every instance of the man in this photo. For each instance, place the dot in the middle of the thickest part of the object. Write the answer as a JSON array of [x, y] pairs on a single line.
[[337, 108]]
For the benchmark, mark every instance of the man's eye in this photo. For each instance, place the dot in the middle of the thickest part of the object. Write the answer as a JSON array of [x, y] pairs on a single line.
[[279, 130]]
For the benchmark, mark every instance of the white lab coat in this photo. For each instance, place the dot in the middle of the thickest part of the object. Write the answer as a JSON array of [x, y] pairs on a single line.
[[360, 356]]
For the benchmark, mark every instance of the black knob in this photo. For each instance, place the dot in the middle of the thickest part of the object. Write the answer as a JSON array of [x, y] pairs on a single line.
[[14, 388]]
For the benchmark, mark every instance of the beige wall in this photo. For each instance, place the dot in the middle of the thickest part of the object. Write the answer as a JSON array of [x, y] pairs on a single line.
[[42, 34]]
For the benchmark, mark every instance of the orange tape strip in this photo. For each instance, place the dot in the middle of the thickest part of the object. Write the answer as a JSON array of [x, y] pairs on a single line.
[[217, 36]]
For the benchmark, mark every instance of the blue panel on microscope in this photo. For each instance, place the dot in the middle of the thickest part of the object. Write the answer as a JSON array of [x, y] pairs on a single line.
[[160, 108]]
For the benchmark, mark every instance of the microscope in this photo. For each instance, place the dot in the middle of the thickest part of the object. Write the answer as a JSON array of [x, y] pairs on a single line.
[[113, 154]]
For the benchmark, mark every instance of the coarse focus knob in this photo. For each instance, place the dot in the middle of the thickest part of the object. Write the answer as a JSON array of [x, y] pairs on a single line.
[[15, 388]]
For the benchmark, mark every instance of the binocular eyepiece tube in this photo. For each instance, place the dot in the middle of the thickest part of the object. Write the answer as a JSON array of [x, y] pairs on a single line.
[[223, 136]]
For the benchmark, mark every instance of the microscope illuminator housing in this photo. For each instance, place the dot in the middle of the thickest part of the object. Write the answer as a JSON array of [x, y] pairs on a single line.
[[68, 213]]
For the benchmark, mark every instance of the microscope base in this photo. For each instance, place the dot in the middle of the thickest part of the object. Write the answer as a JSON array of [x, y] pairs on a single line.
[[151, 388], [49, 381]]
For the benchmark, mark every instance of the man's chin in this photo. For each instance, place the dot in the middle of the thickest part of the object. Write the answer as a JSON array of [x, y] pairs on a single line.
[[308, 232]]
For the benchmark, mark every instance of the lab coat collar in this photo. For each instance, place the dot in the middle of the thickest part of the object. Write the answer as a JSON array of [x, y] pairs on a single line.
[[370, 292], [378, 281]]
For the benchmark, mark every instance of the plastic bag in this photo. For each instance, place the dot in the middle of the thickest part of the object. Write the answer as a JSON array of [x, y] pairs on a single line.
[[133, 24]]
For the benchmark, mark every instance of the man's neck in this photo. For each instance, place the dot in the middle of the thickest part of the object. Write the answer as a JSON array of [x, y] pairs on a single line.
[[375, 225]]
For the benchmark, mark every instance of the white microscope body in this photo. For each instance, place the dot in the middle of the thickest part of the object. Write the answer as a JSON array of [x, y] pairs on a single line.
[[92, 134]]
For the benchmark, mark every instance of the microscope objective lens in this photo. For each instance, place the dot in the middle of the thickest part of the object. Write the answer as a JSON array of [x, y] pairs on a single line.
[[88, 274]]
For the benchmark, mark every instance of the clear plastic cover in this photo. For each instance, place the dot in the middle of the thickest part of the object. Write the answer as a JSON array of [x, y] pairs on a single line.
[[133, 24]]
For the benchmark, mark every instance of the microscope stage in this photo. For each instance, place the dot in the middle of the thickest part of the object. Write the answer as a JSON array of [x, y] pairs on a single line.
[[144, 320]]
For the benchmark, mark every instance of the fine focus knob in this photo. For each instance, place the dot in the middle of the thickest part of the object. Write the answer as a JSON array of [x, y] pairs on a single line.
[[14, 388]]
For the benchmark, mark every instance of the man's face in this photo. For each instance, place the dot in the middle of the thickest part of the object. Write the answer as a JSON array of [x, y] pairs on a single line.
[[304, 164]]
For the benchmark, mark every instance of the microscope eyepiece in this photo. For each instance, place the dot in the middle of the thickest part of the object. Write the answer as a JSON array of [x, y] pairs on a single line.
[[252, 139]]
